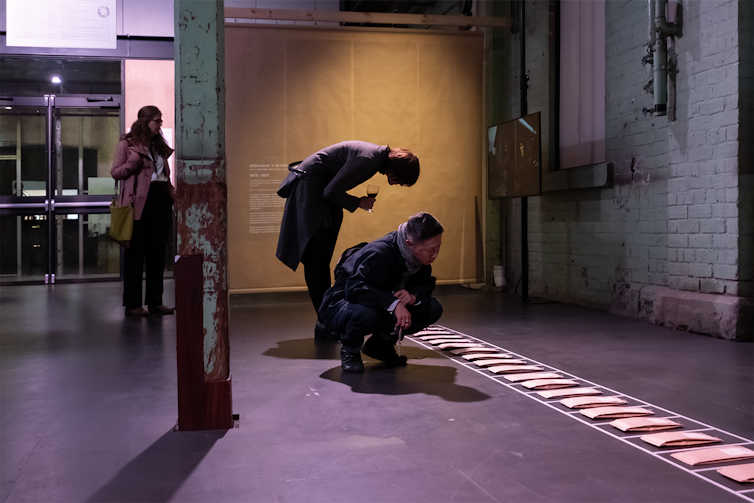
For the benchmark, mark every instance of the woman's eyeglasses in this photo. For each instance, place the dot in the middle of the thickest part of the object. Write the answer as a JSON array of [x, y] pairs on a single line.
[[158, 121]]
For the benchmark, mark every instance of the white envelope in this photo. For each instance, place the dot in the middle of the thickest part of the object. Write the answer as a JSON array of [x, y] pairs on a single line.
[[549, 383], [509, 369], [532, 375], [615, 412], [583, 402], [714, 455], [473, 349], [645, 424], [481, 356], [740, 473], [680, 439], [498, 361], [565, 393], [459, 345]]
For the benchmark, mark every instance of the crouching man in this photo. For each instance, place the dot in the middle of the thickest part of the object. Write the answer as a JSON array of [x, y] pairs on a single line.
[[382, 289]]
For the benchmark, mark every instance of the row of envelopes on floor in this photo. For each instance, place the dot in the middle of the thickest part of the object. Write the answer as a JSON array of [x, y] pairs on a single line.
[[588, 400]]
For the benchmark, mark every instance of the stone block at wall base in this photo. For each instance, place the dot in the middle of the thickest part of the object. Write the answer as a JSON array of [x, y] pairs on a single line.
[[720, 316], [634, 300]]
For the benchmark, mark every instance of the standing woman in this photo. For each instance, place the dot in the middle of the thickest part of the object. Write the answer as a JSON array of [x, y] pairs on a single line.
[[141, 162]]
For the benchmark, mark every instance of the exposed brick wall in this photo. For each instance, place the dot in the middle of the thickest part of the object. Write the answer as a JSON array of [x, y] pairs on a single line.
[[703, 150], [678, 216], [746, 142]]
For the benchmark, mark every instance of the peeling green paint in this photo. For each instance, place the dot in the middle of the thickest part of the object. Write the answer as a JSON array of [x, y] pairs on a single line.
[[197, 174], [200, 137], [211, 279]]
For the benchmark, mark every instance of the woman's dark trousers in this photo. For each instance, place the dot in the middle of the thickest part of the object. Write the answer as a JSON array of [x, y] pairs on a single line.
[[148, 248]]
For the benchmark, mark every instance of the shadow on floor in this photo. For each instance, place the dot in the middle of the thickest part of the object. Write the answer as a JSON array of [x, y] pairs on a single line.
[[305, 349], [158, 472], [427, 379], [310, 349]]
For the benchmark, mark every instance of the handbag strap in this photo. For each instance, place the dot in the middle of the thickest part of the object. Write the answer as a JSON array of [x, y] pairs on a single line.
[[136, 183]]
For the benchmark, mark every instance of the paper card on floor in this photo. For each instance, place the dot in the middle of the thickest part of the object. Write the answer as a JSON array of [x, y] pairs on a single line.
[[509, 369], [440, 336], [584, 402], [499, 361], [714, 455], [437, 342], [566, 393], [680, 438], [483, 356], [549, 383], [473, 349], [611, 412], [532, 375], [740, 473], [645, 424], [459, 345], [432, 332]]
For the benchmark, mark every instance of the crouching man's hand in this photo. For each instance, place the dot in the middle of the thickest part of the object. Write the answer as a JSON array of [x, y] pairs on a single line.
[[405, 298], [402, 317]]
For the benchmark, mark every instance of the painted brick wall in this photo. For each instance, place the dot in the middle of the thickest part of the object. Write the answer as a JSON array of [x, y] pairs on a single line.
[[674, 217], [703, 151]]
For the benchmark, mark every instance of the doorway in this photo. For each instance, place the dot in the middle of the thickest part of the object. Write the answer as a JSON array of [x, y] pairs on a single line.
[[55, 188]]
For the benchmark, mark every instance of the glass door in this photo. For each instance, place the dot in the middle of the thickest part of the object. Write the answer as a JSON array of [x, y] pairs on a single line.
[[55, 188]]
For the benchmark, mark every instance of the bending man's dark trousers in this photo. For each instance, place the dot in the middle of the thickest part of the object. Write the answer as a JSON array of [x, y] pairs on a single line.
[[355, 321], [316, 260]]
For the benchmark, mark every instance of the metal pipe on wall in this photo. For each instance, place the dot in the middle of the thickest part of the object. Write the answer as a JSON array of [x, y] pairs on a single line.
[[524, 81], [660, 61]]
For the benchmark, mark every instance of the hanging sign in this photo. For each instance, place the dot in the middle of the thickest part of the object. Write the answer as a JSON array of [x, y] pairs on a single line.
[[86, 24]]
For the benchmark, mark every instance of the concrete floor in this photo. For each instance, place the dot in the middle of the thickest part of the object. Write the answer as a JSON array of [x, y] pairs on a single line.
[[88, 404]]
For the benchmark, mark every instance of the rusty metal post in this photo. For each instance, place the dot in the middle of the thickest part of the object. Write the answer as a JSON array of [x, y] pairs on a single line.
[[201, 201]]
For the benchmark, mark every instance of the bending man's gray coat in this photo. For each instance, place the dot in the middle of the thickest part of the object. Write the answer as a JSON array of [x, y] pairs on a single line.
[[320, 196]]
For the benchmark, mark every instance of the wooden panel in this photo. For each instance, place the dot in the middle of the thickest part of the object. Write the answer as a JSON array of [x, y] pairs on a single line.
[[202, 405]]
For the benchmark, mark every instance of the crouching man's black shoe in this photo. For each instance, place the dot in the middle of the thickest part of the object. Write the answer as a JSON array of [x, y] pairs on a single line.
[[378, 348], [351, 362]]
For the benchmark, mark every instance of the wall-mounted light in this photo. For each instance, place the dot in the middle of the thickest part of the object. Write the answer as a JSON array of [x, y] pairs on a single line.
[[56, 80]]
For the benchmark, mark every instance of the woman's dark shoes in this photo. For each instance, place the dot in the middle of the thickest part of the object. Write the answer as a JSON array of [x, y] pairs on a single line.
[[161, 309], [379, 349], [351, 362], [321, 333], [137, 311]]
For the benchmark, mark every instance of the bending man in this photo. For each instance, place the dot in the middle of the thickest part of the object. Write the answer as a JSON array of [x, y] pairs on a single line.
[[314, 210], [383, 288]]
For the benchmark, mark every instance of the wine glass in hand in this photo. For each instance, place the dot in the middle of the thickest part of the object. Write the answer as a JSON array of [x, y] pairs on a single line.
[[372, 191]]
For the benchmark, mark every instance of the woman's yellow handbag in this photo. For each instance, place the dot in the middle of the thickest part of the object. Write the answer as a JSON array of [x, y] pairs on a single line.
[[121, 221]]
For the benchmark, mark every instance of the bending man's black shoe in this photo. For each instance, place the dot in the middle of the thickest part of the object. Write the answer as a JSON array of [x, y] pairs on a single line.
[[378, 348], [351, 362], [321, 333]]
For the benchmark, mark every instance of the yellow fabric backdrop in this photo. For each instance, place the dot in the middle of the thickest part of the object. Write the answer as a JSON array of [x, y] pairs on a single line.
[[292, 91]]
